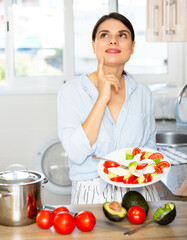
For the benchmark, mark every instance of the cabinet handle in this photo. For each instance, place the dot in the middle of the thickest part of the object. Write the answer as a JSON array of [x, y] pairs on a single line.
[[168, 5], [154, 18]]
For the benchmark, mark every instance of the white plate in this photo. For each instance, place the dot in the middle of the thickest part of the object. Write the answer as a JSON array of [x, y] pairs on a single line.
[[119, 155]]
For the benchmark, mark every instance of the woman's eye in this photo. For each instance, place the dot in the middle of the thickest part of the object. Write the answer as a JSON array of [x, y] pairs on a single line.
[[104, 35], [123, 35]]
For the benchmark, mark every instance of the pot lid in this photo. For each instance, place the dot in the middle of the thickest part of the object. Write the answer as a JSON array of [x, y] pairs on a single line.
[[18, 176]]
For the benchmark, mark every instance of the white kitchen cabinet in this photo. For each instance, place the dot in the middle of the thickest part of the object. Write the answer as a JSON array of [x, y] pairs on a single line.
[[166, 20]]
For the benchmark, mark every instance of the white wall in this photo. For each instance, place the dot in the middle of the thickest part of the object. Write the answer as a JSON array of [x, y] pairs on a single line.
[[25, 122]]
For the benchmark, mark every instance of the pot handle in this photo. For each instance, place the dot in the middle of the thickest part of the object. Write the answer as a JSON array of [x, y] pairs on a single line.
[[45, 180]]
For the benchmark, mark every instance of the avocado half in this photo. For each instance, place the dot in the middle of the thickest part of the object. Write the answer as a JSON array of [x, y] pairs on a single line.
[[164, 216], [134, 198], [115, 216]]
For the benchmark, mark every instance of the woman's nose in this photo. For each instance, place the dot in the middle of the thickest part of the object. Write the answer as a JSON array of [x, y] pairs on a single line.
[[113, 41]]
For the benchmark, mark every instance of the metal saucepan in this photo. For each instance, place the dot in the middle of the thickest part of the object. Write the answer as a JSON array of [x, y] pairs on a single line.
[[20, 196]]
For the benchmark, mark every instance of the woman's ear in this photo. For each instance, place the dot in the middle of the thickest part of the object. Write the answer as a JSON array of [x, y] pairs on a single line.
[[133, 45], [93, 46]]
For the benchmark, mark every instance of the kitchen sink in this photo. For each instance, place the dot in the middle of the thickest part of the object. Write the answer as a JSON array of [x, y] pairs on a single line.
[[171, 139]]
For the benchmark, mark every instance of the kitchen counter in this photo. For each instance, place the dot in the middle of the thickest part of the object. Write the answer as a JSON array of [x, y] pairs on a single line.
[[174, 179], [176, 230]]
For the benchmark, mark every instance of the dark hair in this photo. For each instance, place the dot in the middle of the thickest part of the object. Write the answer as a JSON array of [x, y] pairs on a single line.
[[118, 17]]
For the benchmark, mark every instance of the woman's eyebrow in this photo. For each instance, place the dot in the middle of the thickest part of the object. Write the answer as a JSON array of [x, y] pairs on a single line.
[[121, 31], [103, 31]]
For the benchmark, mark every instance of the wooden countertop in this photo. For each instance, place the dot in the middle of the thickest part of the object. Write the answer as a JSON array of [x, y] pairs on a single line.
[[176, 230]]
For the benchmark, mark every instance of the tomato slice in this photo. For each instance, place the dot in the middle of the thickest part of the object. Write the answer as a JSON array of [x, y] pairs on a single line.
[[156, 155], [135, 181], [135, 151], [141, 166], [142, 156], [105, 170], [129, 180], [147, 178], [163, 164], [117, 179], [108, 164], [158, 170]]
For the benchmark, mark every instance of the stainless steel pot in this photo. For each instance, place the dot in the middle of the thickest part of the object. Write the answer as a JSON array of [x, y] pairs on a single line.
[[20, 196]]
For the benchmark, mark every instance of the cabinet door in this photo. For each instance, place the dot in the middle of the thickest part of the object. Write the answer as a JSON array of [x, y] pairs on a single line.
[[154, 18], [166, 20], [174, 24]]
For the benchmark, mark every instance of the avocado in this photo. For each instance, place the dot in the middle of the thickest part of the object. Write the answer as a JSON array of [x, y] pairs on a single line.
[[114, 212], [111, 175], [129, 156], [134, 198], [132, 166], [147, 154], [154, 175], [164, 216], [156, 160], [127, 176], [141, 179]]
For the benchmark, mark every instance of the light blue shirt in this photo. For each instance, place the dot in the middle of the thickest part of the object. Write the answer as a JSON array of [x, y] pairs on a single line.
[[135, 126]]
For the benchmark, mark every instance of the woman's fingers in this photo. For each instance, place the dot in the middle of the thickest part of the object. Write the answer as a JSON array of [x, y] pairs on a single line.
[[100, 68], [111, 80]]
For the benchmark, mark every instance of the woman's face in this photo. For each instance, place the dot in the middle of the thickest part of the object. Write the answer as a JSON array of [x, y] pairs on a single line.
[[113, 42]]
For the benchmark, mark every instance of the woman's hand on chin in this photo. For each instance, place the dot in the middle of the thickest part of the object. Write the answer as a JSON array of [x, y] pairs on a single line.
[[105, 83]]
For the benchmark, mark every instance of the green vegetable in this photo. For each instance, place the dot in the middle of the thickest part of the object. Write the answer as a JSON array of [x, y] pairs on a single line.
[[129, 156], [156, 160], [165, 215], [154, 175], [134, 198], [132, 166], [141, 179], [114, 212]]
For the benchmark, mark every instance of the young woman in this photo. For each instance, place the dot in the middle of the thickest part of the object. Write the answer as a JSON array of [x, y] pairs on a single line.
[[105, 111]]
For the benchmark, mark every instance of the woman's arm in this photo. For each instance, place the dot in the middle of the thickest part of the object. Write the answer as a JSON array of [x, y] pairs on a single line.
[[92, 124]]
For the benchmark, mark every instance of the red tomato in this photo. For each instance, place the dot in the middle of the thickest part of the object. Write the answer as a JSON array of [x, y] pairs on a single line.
[[135, 151], [60, 209], [156, 155], [105, 170], [108, 164], [147, 178], [117, 179], [135, 181], [44, 219], [64, 223], [158, 170], [141, 166], [129, 180], [136, 215], [163, 164], [85, 221], [142, 156]]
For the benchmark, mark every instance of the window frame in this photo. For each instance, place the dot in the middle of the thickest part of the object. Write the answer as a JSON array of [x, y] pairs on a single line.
[[48, 85]]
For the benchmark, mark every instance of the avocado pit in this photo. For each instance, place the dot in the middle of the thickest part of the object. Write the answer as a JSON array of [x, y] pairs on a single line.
[[114, 211]]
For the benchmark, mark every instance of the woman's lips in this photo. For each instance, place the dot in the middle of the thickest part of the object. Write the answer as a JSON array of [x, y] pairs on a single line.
[[112, 50]]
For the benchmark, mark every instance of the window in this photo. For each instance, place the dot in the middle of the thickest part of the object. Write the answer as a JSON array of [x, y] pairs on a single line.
[[38, 38], [2, 43], [86, 14], [44, 43]]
